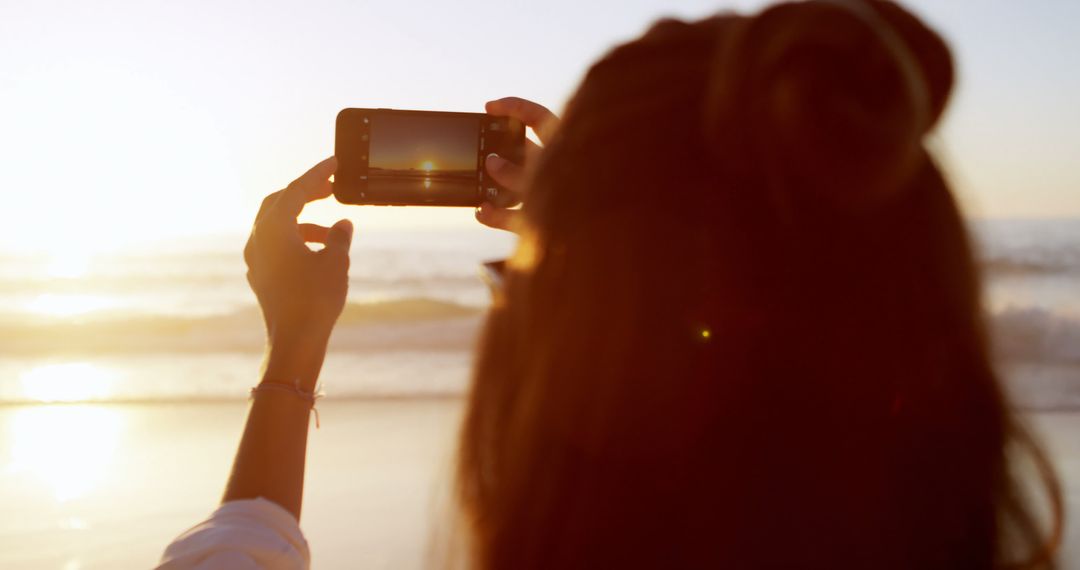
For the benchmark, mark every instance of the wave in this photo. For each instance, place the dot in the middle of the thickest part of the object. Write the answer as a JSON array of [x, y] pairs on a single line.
[[1021, 266], [136, 281], [1020, 333], [1028, 247], [1035, 334], [409, 309], [415, 348], [408, 323]]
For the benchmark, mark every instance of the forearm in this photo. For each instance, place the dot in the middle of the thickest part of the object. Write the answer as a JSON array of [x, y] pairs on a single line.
[[271, 458], [301, 293]]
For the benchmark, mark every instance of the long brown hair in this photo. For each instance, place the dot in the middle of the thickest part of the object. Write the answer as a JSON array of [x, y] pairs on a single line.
[[743, 326]]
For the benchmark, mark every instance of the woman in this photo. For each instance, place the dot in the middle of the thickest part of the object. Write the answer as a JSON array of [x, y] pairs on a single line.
[[742, 327]]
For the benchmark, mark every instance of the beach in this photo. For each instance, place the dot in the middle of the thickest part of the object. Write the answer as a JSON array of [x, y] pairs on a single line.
[[376, 472]]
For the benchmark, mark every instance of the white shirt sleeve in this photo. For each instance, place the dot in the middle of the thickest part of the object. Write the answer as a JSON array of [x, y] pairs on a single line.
[[248, 534]]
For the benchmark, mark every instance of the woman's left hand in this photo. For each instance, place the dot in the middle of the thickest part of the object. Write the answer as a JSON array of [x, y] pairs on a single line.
[[301, 292], [509, 175]]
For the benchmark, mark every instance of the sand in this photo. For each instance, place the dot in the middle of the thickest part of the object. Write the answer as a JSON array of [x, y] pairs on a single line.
[[151, 471], [84, 487]]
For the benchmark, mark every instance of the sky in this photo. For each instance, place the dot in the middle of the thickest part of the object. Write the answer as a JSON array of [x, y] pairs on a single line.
[[413, 141], [132, 122]]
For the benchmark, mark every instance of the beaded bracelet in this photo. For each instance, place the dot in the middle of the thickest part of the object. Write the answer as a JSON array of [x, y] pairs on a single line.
[[295, 390]]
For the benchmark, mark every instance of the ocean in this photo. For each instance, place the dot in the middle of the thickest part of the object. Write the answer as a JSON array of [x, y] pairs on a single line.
[[164, 342], [178, 322]]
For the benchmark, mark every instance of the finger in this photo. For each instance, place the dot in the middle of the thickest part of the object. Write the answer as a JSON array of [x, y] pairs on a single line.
[[505, 173], [267, 205], [532, 151], [314, 233], [313, 185], [534, 115], [339, 238], [498, 218], [249, 251]]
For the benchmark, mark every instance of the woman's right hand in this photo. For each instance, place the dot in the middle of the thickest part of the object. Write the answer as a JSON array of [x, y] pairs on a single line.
[[507, 174], [301, 292]]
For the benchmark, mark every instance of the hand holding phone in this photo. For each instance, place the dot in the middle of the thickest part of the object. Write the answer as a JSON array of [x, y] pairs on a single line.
[[510, 174]]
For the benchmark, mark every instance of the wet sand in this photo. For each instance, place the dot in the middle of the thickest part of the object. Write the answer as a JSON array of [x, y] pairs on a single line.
[[108, 486]]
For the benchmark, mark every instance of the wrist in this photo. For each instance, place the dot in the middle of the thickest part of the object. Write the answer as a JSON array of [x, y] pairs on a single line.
[[295, 359]]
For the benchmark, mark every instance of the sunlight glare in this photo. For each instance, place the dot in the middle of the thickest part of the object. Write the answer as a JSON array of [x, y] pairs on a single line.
[[68, 382], [68, 305], [68, 448], [67, 265], [427, 166]]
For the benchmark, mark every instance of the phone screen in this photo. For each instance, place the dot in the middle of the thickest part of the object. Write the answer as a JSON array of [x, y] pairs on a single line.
[[389, 157], [419, 158]]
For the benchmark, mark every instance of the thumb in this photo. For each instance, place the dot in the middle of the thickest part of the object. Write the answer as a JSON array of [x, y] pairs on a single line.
[[339, 238]]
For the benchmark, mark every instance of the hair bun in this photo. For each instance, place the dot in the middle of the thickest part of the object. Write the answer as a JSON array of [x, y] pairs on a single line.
[[831, 96], [930, 51]]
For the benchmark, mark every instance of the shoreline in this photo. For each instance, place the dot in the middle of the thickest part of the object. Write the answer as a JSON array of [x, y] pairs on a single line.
[[437, 397], [109, 485]]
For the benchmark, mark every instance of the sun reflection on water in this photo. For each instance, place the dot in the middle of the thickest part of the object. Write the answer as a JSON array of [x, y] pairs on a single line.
[[69, 265], [65, 305], [68, 449], [67, 382]]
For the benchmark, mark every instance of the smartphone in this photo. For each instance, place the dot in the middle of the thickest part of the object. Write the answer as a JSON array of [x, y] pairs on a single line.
[[389, 157]]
